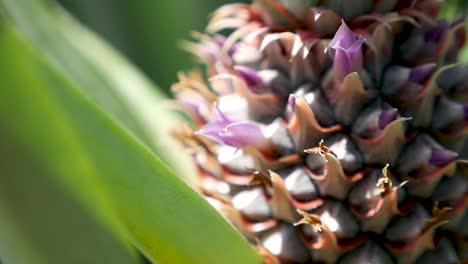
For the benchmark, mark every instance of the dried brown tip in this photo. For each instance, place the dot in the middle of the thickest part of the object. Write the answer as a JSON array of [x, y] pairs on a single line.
[[385, 183], [310, 219], [438, 216], [260, 178], [184, 134], [193, 81], [321, 149], [187, 136]]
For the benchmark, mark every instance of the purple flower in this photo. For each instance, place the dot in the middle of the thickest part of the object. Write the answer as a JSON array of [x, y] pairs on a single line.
[[234, 133], [423, 157], [345, 50], [249, 75], [421, 73], [387, 117], [441, 157], [435, 34]]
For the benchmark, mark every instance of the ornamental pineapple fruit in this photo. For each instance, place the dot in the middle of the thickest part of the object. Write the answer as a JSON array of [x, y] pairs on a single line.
[[333, 131]]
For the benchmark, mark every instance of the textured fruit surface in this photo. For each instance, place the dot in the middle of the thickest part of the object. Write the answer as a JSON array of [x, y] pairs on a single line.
[[333, 131]]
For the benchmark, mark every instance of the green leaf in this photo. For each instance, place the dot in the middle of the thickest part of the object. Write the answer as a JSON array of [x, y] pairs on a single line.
[[451, 9], [463, 57], [64, 131], [41, 223], [115, 85]]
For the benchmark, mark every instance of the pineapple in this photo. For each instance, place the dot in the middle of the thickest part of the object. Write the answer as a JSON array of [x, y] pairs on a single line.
[[333, 131]]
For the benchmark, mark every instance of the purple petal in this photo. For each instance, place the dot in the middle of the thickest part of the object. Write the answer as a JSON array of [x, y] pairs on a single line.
[[356, 46], [465, 111], [211, 131], [292, 102], [421, 73], [440, 157], [242, 134], [435, 34], [346, 52], [249, 75], [355, 53], [233, 133], [342, 65], [387, 117], [220, 40], [344, 37]]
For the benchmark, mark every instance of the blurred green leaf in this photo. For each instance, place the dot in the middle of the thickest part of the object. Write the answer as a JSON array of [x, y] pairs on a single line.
[[451, 9], [464, 55], [70, 137], [115, 85], [42, 223]]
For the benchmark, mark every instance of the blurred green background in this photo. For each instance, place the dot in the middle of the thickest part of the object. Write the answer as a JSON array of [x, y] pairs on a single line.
[[147, 31]]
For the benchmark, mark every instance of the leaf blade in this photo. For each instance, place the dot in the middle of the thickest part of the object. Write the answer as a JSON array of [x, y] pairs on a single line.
[[107, 78], [41, 223]]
